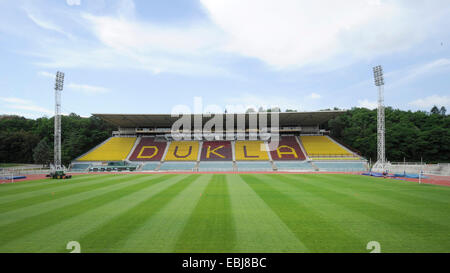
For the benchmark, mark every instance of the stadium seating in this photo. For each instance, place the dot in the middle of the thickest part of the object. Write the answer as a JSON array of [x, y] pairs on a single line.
[[341, 166], [216, 166], [148, 150], [216, 151], [256, 166], [322, 147], [293, 166], [251, 150], [80, 167], [177, 166], [182, 151], [151, 166], [114, 149], [288, 149]]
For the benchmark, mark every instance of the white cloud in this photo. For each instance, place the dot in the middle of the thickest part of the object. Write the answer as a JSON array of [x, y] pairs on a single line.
[[20, 114], [431, 101], [293, 33], [367, 104], [73, 2], [157, 48], [405, 76], [125, 34], [15, 100], [323, 34], [45, 24], [88, 89], [248, 100], [314, 96], [32, 108], [25, 106], [123, 42], [47, 74]]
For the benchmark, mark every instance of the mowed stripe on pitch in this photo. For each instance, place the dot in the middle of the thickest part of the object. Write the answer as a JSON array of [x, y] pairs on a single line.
[[18, 214], [38, 222], [75, 228], [210, 227], [67, 189], [30, 186], [257, 213], [255, 222], [113, 234], [393, 204], [358, 224], [160, 232], [402, 229], [315, 231], [54, 186], [405, 191]]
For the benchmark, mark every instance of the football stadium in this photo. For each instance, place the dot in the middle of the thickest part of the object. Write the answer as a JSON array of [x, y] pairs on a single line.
[[142, 191]]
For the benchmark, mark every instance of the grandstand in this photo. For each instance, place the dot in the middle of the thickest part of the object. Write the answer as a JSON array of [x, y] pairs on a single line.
[[145, 143]]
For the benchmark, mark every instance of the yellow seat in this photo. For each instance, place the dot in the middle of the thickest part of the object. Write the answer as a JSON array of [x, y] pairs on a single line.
[[115, 149], [251, 150], [322, 146], [182, 151]]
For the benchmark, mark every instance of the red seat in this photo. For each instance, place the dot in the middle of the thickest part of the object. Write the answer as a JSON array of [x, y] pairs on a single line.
[[288, 149], [216, 151], [148, 150]]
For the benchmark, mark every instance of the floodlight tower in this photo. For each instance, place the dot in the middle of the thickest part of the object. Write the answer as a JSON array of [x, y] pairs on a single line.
[[379, 82], [59, 84]]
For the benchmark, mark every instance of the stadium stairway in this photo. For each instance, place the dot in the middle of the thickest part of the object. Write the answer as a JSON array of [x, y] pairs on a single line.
[[302, 148], [136, 143]]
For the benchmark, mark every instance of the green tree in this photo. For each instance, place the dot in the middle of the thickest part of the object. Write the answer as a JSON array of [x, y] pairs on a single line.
[[435, 110], [42, 153]]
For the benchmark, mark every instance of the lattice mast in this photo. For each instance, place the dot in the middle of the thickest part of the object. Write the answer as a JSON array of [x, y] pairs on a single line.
[[59, 84], [379, 82]]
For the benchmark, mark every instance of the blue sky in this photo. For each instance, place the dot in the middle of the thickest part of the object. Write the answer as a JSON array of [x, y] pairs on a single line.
[[124, 56]]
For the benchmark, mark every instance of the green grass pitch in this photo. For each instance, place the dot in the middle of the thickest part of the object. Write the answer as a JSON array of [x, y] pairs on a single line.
[[224, 213]]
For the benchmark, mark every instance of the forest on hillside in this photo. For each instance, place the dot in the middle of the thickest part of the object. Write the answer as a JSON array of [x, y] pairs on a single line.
[[409, 135], [25, 140]]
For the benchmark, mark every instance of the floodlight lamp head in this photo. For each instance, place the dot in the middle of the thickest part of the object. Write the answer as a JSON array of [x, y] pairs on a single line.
[[378, 75], [59, 83]]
